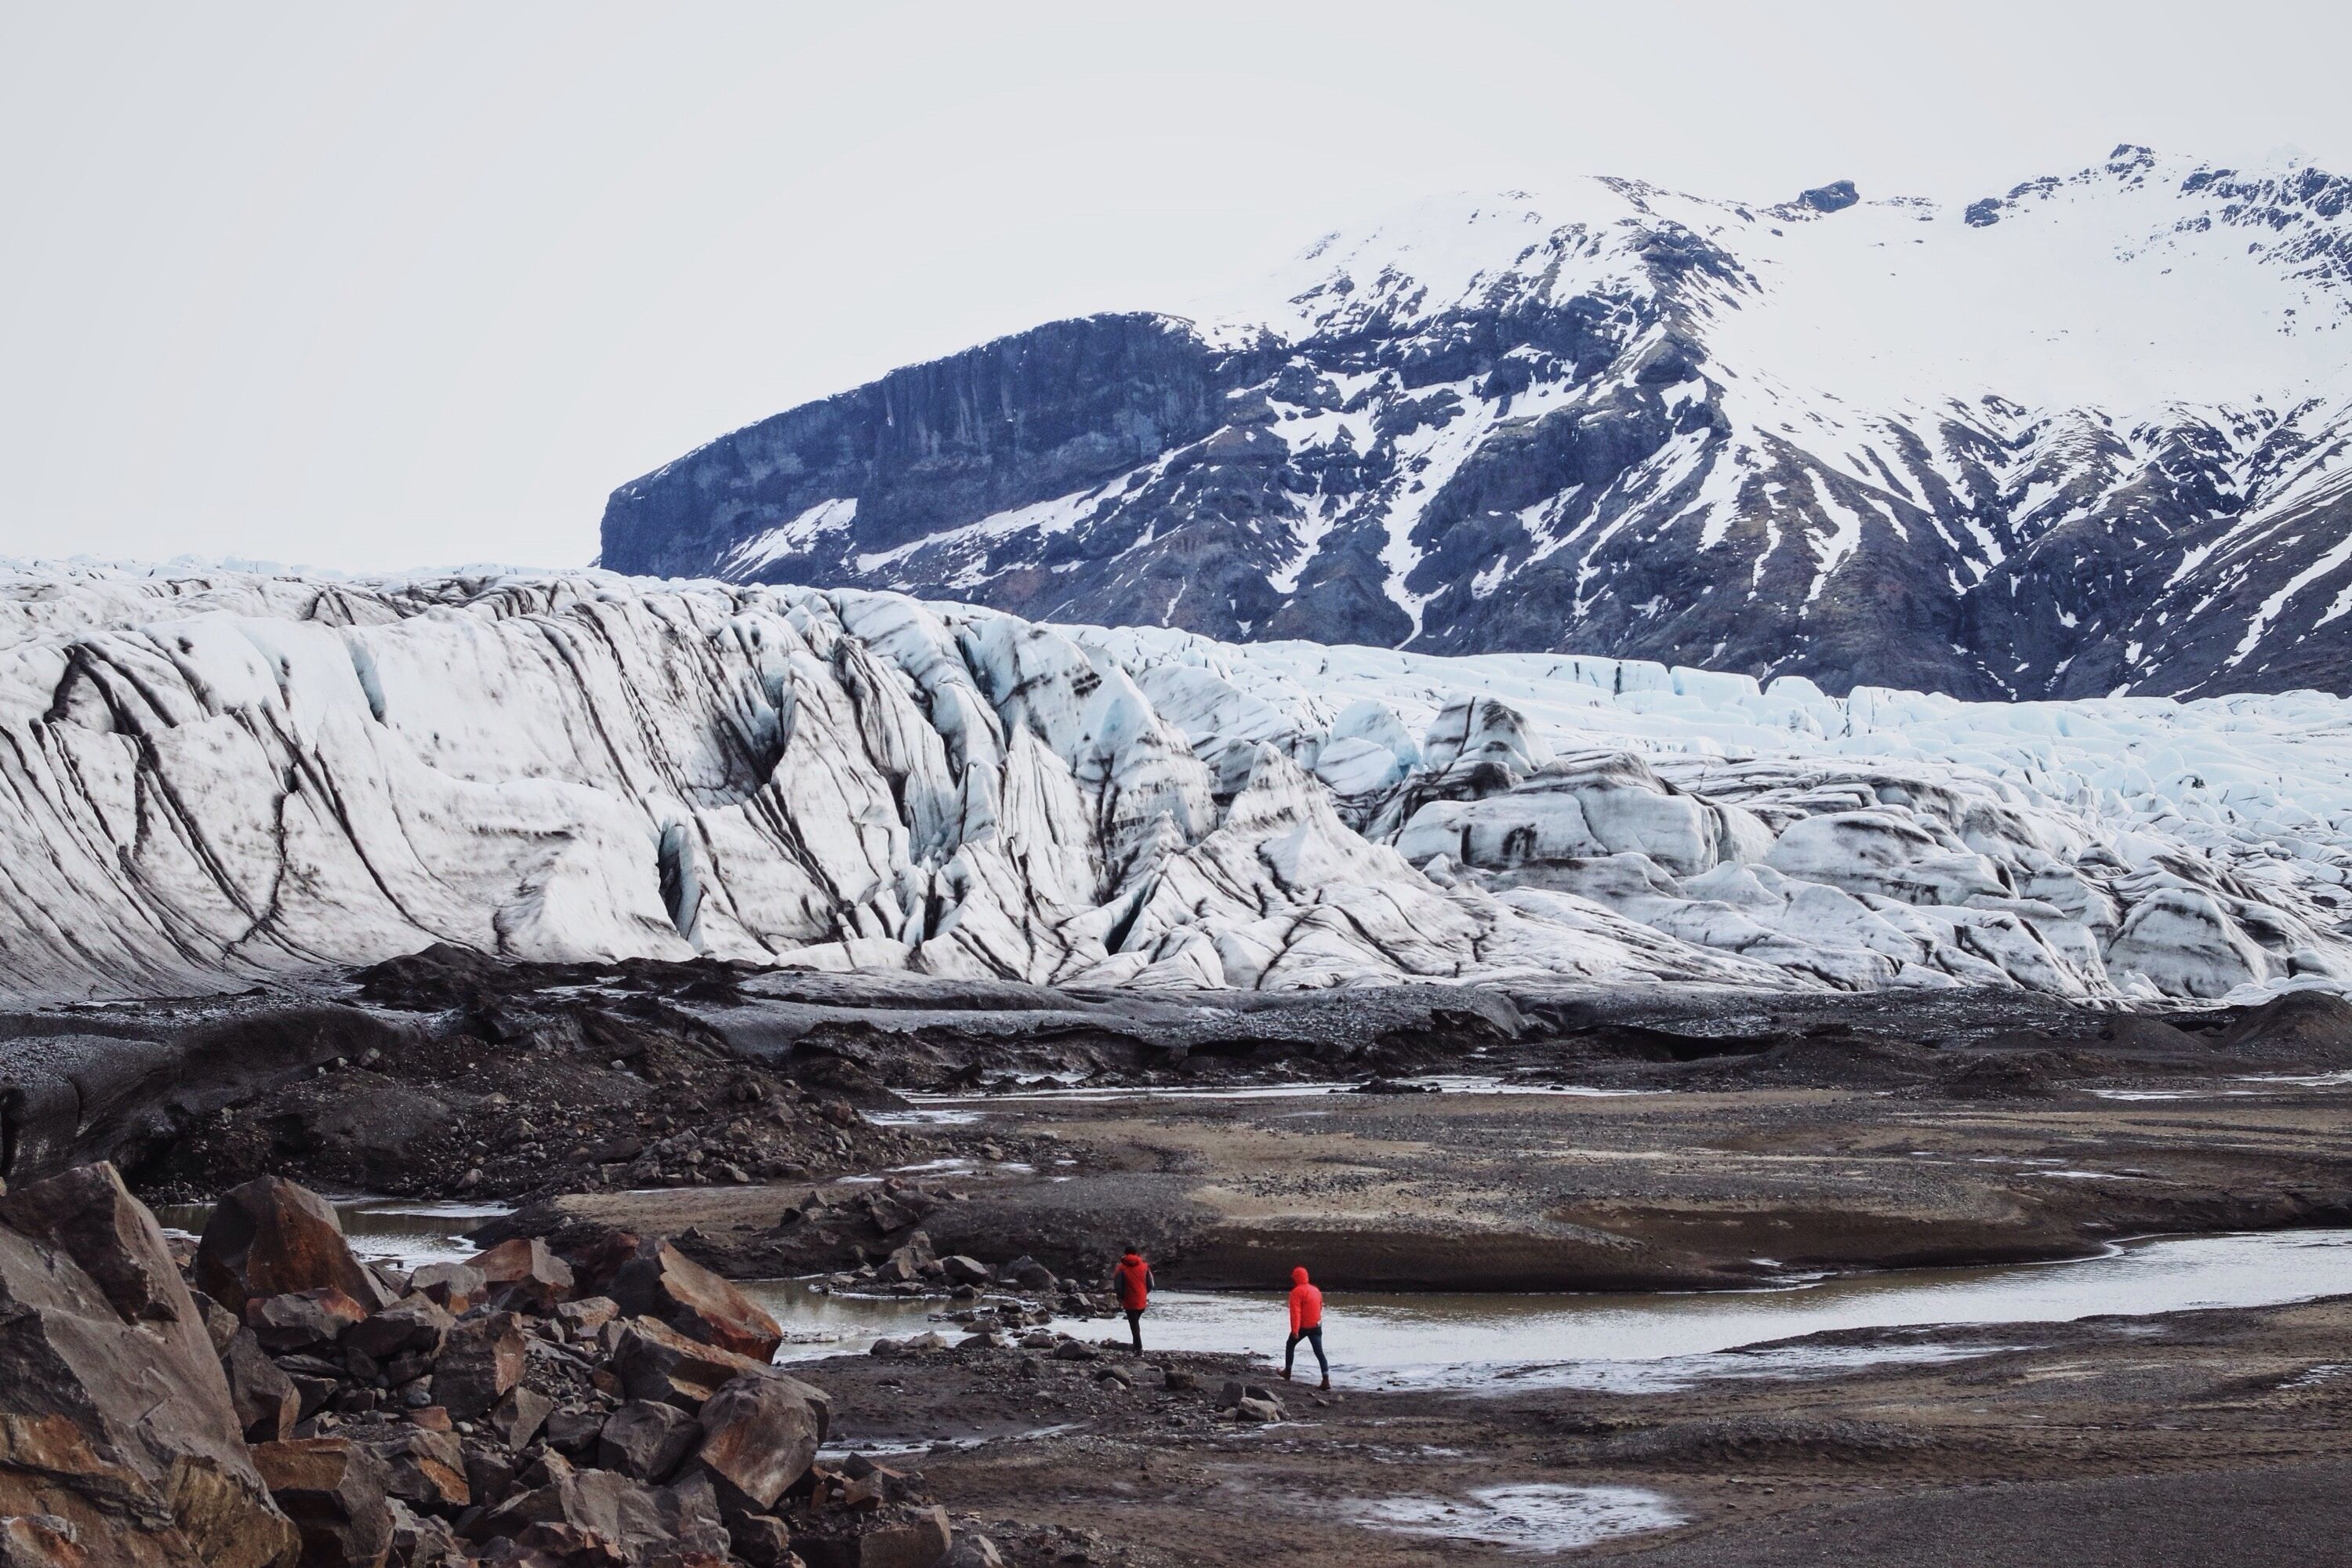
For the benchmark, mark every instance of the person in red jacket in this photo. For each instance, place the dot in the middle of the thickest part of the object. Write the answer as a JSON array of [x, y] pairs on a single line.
[[1133, 1277], [1306, 1323]]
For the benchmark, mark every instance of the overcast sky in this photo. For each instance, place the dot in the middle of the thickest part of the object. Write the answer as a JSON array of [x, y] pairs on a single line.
[[373, 286]]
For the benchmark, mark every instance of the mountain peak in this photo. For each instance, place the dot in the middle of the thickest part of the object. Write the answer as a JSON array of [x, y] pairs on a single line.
[[2090, 433]]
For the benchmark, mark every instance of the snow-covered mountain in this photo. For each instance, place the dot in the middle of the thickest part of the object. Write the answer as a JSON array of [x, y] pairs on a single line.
[[2093, 434], [210, 779]]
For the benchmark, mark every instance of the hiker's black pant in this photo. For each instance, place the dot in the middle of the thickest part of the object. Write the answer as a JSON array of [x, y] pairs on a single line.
[[1314, 1337], [1135, 1327]]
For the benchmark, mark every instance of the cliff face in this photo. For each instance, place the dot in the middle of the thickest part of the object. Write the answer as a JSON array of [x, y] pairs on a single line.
[[2088, 436], [930, 447]]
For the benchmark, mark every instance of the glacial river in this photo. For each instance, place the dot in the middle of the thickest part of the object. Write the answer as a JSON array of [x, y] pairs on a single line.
[[1601, 1341]]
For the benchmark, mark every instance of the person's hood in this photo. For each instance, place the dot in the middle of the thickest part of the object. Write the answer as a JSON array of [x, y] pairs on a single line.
[[1298, 1277], [1131, 1257]]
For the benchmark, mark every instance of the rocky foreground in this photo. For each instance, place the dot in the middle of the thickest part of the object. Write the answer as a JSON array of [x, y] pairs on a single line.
[[268, 1399]]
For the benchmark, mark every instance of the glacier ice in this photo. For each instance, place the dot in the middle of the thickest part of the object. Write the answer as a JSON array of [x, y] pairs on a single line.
[[213, 778]]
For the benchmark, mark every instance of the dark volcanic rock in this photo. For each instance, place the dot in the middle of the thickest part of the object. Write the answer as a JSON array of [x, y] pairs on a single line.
[[120, 1424], [271, 1237], [1551, 456]]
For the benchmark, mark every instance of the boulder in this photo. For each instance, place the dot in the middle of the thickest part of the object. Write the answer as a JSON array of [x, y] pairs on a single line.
[[479, 1361], [302, 1320], [640, 1522], [424, 1542], [517, 1415], [588, 1314], [597, 1258], [414, 1325], [425, 1469], [1176, 1380], [264, 1398], [526, 1269], [661, 1282], [272, 1237], [572, 1430], [88, 1214], [654, 1361], [760, 1539], [962, 1270], [455, 1286], [335, 1492], [41, 1541], [1259, 1410], [972, 1552], [903, 1537], [646, 1440], [118, 1423], [758, 1433]]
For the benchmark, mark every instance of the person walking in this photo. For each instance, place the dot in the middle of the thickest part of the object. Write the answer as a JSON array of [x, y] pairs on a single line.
[[1306, 1323], [1134, 1279]]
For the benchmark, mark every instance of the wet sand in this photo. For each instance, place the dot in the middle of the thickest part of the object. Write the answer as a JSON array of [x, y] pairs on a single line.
[[1548, 1192], [2202, 1438]]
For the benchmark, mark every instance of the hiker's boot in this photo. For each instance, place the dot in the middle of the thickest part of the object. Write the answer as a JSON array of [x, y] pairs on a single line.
[[1327, 1385]]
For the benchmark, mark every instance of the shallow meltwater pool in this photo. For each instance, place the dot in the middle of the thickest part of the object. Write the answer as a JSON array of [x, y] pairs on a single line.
[[1627, 1340], [1656, 1340], [406, 1232]]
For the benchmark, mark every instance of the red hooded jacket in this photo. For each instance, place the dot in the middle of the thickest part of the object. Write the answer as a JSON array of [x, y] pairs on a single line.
[[1134, 1282], [1305, 1303]]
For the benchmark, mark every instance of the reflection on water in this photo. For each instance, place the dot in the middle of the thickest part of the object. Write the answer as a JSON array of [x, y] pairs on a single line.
[[1620, 1341], [1428, 1335]]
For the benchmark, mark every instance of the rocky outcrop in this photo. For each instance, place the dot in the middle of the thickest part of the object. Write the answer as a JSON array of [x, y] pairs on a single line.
[[115, 1415], [1771, 439]]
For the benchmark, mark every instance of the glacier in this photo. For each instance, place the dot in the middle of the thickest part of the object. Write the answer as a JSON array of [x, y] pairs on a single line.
[[211, 778]]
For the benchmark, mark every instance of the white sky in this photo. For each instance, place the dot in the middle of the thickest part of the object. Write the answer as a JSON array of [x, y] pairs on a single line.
[[370, 285]]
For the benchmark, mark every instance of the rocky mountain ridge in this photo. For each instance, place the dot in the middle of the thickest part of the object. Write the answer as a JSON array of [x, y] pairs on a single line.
[[2087, 435]]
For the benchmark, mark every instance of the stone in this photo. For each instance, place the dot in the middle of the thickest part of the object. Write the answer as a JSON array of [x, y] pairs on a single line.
[[1115, 1373], [119, 1424], [962, 1270], [41, 1541], [425, 1469], [416, 1324], [335, 1492], [272, 1237], [760, 1539], [595, 1260], [1031, 1275], [1176, 1380], [265, 1399], [455, 1286], [313, 1392], [574, 1430], [491, 1472], [421, 1541], [903, 1537], [588, 1314], [641, 1522], [524, 1267], [663, 1283], [88, 1214], [1259, 1410], [301, 1321], [1075, 1350], [654, 1361], [972, 1552], [758, 1433], [479, 1361], [646, 1439], [517, 1415]]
